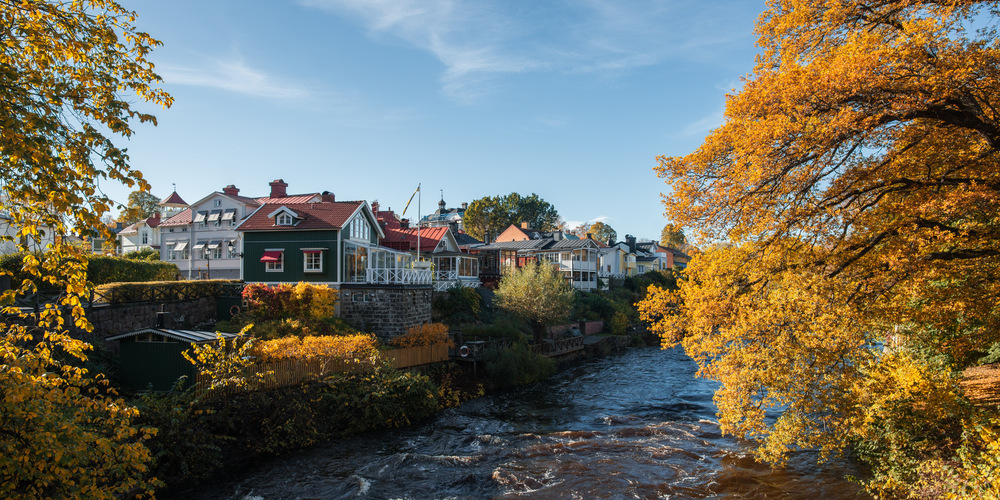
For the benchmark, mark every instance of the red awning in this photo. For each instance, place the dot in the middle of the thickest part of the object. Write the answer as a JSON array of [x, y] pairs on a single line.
[[312, 251], [271, 256]]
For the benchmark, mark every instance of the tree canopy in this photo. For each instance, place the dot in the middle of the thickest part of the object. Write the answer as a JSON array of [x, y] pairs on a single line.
[[598, 231], [141, 205], [69, 75], [856, 177], [537, 293], [672, 235], [493, 214]]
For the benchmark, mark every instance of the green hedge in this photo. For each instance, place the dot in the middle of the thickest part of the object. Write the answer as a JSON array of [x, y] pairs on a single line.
[[101, 269], [117, 293]]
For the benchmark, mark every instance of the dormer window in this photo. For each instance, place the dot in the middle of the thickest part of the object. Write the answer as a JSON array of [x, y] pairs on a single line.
[[283, 219]]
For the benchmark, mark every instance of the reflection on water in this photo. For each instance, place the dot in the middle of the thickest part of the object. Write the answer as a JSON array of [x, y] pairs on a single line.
[[637, 425]]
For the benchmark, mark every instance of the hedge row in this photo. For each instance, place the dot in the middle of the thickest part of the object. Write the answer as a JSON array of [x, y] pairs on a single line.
[[102, 269], [115, 293]]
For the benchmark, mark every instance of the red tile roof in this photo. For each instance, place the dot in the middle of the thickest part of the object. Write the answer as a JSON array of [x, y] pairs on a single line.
[[406, 239], [327, 215], [180, 219], [295, 198]]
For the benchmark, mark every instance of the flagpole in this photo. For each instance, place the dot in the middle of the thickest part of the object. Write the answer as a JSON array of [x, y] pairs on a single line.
[[419, 195]]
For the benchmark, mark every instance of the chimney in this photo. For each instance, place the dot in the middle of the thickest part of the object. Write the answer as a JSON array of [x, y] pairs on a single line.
[[465, 205], [611, 241], [631, 242], [558, 235], [327, 197], [590, 236], [524, 225], [404, 223], [231, 190], [453, 227], [164, 319], [278, 187], [156, 217], [375, 208]]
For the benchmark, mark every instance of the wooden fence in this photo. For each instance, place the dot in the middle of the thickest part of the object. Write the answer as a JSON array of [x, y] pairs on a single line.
[[275, 374]]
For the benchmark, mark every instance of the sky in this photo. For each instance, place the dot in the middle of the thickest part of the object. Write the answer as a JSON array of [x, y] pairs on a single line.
[[571, 100]]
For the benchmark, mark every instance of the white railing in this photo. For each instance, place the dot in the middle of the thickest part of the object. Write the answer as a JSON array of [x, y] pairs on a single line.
[[399, 276], [577, 265], [465, 281]]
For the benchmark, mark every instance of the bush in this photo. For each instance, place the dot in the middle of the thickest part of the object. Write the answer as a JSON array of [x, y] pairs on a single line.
[[619, 324], [285, 310], [116, 293], [504, 329], [358, 350], [459, 305], [143, 254], [422, 335], [102, 269], [516, 366]]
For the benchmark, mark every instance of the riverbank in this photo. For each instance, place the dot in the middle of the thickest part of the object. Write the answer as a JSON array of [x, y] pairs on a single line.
[[638, 424], [205, 441]]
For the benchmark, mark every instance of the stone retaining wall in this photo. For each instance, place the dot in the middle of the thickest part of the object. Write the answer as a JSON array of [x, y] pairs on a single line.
[[386, 311], [111, 320]]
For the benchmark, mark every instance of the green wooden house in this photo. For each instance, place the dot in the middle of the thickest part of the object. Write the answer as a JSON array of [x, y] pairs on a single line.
[[151, 358], [329, 242]]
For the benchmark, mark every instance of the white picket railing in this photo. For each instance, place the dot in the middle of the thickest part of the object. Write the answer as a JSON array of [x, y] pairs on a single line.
[[390, 276]]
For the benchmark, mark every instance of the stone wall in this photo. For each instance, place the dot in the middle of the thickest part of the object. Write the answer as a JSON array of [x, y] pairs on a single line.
[[111, 320], [387, 311]]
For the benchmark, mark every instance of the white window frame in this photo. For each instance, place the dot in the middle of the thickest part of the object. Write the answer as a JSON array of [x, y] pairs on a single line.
[[314, 267], [283, 219], [275, 267]]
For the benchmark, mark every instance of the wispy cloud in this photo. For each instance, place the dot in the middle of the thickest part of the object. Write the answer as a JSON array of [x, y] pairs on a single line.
[[479, 40], [706, 124], [235, 76]]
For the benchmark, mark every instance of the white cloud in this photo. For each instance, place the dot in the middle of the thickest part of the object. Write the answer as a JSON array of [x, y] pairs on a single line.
[[479, 40], [235, 76], [705, 125]]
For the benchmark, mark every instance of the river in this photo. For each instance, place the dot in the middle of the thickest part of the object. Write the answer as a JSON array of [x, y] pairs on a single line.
[[635, 425]]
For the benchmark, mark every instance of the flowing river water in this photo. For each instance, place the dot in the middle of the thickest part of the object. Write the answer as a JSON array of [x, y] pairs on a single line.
[[636, 425]]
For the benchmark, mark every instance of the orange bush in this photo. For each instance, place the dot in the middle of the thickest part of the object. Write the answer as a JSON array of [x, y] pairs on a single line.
[[421, 335]]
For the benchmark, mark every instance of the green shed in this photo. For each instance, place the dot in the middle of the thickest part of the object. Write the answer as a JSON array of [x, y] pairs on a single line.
[[151, 357]]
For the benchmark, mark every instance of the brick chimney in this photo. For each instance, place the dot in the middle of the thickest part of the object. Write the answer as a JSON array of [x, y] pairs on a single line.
[[327, 197], [375, 208], [524, 225], [465, 205], [278, 188], [231, 190]]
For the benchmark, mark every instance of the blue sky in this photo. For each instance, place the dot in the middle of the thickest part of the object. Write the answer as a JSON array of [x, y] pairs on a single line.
[[572, 100]]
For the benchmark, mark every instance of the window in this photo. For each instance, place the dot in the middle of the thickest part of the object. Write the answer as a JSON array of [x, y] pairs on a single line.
[[283, 220], [313, 261], [274, 261], [145, 238], [218, 203]]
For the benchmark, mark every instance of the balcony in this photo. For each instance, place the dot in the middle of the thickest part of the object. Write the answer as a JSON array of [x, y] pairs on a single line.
[[395, 276]]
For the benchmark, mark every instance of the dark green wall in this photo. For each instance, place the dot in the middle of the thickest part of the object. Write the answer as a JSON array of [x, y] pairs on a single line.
[[254, 244], [159, 364]]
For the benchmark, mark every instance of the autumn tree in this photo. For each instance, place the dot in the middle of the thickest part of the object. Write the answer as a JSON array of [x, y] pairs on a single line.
[[672, 236], [141, 205], [492, 214], [537, 293], [857, 178], [69, 75], [598, 231]]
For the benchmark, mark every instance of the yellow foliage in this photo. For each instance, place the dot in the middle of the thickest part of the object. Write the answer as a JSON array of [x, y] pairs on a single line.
[[360, 350], [227, 361], [856, 181], [317, 301], [422, 335], [65, 434], [69, 75]]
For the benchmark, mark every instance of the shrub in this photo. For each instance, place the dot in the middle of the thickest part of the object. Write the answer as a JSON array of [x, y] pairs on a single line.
[[516, 366], [116, 293], [458, 306], [619, 324], [103, 269], [143, 254], [505, 329], [422, 335], [355, 351]]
